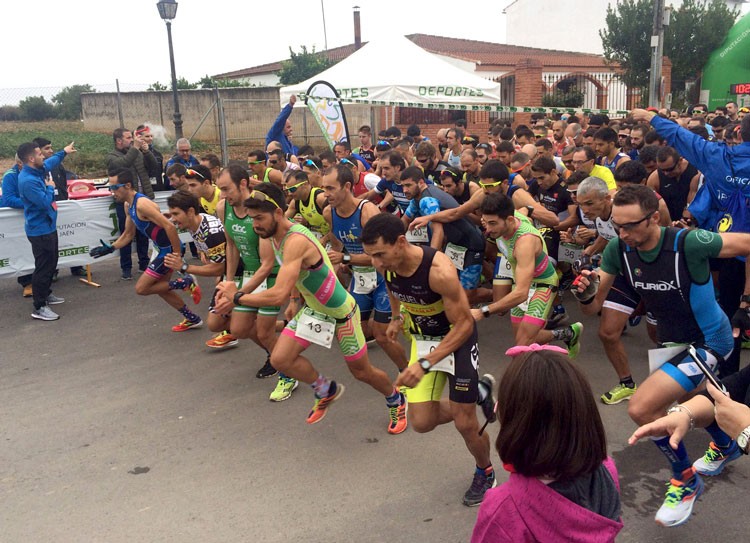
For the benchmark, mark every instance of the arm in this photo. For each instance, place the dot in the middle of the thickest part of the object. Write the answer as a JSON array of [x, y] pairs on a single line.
[[277, 128], [128, 233], [291, 210], [386, 201], [571, 221], [40, 195], [151, 212], [117, 162], [277, 178], [653, 180], [438, 236], [267, 262], [233, 254], [605, 284], [693, 187], [10, 197], [525, 253], [521, 199], [55, 160], [664, 218], [451, 215], [597, 247]]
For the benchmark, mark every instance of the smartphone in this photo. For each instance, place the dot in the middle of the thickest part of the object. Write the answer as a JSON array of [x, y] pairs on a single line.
[[705, 369]]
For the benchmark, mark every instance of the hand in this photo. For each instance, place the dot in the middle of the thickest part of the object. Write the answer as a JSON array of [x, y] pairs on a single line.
[[741, 321], [410, 377], [477, 314], [138, 140], [419, 222], [222, 306], [731, 416], [394, 327], [70, 149], [291, 310], [642, 115], [676, 425], [104, 249], [293, 100], [174, 261], [586, 234], [227, 289], [586, 286], [336, 257], [566, 236]]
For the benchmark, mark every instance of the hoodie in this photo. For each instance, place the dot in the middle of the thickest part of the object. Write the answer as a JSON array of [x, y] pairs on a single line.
[[525, 510], [39, 207]]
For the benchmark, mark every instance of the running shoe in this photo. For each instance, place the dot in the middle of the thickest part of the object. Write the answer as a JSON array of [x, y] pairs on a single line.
[[634, 320], [574, 343], [479, 485], [54, 300], [187, 325], [320, 407], [267, 370], [397, 414], [488, 404], [716, 458], [557, 319], [192, 286], [284, 388], [681, 496], [566, 280], [28, 291], [127, 275], [222, 340], [618, 394], [44, 313]]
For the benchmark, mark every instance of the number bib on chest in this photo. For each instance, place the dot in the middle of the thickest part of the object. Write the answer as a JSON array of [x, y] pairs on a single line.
[[246, 276], [504, 269], [569, 252], [427, 344], [316, 328], [418, 235], [365, 279], [457, 254]]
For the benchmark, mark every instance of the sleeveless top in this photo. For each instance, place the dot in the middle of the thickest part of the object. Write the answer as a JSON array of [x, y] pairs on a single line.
[[544, 272], [152, 231], [348, 230], [312, 214], [210, 205], [613, 165], [245, 239]]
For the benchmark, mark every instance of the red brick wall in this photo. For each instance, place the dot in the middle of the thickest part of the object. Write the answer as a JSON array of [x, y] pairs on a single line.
[[528, 87]]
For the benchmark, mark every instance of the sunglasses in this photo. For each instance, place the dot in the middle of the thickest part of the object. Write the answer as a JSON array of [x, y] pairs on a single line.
[[263, 197], [293, 188], [669, 170], [192, 173], [630, 225], [273, 161], [254, 162], [347, 161], [383, 142], [310, 163], [116, 186], [468, 141], [493, 184], [423, 160], [520, 168]]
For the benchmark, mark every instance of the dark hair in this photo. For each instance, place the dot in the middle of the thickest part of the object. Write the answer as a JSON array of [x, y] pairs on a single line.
[[124, 176], [460, 123], [637, 194], [425, 148], [648, 153], [497, 204], [176, 169], [404, 143], [577, 176], [25, 150], [449, 171], [118, 133], [306, 150], [606, 135], [506, 134], [365, 129], [651, 137], [298, 175], [344, 144], [547, 411], [41, 142], [184, 200], [393, 132], [212, 159], [544, 143], [590, 132], [328, 155], [544, 164], [273, 192], [745, 129], [719, 121], [315, 160], [632, 171], [204, 174], [257, 155], [382, 146], [494, 169], [470, 152], [702, 131], [642, 128], [413, 130], [505, 147], [520, 157], [383, 225], [667, 152], [395, 159], [590, 153], [524, 131], [237, 173], [278, 153], [458, 133], [344, 174], [415, 173]]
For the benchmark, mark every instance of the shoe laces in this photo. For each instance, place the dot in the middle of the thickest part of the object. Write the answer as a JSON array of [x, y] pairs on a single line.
[[676, 491], [713, 453], [479, 482], [395, 413]]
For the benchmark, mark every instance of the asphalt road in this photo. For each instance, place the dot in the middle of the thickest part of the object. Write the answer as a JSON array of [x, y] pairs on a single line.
[[115, 429]]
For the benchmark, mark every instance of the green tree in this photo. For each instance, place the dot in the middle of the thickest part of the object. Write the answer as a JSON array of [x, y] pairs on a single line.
[[695, 30], [182, 84], [36, 108], [68, 101], [208, 82], [302, 65], [156, 86]]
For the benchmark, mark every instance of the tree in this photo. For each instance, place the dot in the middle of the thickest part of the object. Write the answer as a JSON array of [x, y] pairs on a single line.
[[182, 84], [695, 30], [302, 65], [157, 87], [68, 101], [208, 82], [36, 108], [572, 97]]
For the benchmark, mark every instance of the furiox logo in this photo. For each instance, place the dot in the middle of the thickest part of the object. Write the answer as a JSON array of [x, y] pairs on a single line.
[[661, 286]]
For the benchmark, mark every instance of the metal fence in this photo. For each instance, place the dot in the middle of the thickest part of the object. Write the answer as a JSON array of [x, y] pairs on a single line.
[[593, 90]]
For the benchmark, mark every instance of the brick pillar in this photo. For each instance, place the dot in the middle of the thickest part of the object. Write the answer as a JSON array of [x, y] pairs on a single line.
[[666, 74], [634, 97], [601, 98], [528, 87]]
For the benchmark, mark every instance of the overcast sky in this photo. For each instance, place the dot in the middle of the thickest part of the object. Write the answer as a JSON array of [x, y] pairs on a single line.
[[96, 41]]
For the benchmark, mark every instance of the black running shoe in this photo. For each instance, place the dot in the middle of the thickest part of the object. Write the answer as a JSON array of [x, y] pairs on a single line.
[[267, 370], [479, 485]]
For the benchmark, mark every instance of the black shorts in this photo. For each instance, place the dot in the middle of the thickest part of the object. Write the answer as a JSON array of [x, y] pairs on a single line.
[[622, 296]]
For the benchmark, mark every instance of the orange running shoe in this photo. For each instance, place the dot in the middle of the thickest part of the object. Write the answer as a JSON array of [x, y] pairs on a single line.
[[223, 340], [397, 414], [321, 404], [187, 325], [195, 289]]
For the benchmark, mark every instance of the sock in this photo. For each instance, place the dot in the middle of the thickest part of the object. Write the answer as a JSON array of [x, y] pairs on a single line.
[[178, 284], [563, 334], [488, 472], [483, 392], [628, 381], [678, 458], [282, 376], [321, 386], [721, 439], [189, 315], [559, 309], [394, 400]]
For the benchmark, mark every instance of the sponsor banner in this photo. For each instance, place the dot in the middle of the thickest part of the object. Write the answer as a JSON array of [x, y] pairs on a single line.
[[328, 111], [80, 226]]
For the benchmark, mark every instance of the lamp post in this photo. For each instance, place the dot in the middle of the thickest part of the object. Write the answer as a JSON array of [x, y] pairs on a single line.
[[168, 11]]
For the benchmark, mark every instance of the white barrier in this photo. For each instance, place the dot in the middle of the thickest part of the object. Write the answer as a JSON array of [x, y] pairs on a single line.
[[80, 226]]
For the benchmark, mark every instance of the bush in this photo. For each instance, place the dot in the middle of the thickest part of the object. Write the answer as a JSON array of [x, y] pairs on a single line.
[[10, 113], [68, 101], [572, 98], [36, 108]]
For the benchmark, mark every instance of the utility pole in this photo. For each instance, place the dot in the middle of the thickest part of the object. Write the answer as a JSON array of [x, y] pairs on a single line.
[[657, 52]]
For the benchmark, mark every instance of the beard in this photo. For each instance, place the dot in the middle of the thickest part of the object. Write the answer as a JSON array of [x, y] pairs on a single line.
[[265, 234]]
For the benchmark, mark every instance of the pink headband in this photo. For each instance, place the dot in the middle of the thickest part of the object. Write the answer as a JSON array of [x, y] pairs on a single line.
[[521, 349]]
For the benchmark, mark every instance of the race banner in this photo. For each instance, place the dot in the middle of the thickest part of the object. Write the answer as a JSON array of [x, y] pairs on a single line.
[[328, 111], [80, 226]]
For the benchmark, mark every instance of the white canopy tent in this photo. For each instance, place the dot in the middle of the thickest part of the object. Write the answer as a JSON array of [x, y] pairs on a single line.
[[407, 76]]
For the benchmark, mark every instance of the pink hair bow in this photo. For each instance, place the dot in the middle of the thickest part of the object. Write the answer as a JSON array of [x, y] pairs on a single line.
[[521, 349]]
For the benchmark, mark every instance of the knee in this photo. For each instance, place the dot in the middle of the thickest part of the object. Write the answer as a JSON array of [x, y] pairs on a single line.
[[279, 362], [466, 425], [608, 334], [265, 335], [421, 426], [640, 412], [141, 290], [360, 373]]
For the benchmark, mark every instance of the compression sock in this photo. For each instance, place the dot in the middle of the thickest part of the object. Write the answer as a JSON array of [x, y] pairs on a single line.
[[394, 400], [628, 381], [721, 439], [189, 315], [321, 386], [488, 472], [563, 334], [180, 284], [678, 458]]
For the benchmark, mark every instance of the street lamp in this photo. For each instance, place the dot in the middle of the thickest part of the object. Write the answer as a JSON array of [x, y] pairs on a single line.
[[168, 11]]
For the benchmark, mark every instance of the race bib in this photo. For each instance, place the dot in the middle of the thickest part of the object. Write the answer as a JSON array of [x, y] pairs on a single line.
[[418, 235], [457, 254], [316, 328], [525, 305], [504, 269], [246, 277], [568, 252], [365, 280], [425, 345]]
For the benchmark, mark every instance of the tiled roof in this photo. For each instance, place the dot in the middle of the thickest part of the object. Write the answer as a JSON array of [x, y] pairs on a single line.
[[485, 54]]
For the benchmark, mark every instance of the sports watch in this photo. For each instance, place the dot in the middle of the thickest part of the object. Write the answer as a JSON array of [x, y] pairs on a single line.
[[424, 364], [743, 440], [236, 299], [486, 311]]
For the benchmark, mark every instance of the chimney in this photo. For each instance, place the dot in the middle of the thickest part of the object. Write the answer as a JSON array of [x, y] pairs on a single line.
[[357, 29]]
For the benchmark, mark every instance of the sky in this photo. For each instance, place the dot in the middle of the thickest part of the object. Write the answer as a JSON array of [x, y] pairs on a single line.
[[95, 42]]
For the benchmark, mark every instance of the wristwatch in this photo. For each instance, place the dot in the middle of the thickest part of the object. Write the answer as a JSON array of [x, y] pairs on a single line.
[[486, 311], [346, 259], [184, 267], [424, 364], [236, 299], [530, 209], [743, 439]]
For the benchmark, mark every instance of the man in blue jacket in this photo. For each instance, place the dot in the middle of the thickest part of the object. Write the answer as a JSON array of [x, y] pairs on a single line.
[[10, 198], [37, 191], [281, 130], [722, 204]]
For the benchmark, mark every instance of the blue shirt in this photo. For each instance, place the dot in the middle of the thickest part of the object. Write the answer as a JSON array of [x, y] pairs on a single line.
[[276, 132], [39, 207], [10, 197]]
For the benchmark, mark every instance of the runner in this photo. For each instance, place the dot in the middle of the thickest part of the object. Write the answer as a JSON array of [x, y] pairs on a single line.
[[199, 184], [144, 214], [330, 311], [423, 282], [347, 216], [309, 202], [256, 160], [669, 268]]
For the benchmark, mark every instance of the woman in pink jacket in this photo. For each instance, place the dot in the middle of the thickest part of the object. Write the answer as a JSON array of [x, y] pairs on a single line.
[[562, 485]]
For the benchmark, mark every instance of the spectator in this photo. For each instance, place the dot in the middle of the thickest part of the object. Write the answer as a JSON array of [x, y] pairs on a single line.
[[176, 175], [37, 191], [213, 163], [154, 169], [11, 198], [183, 155], [558, 490], [281, 130]]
